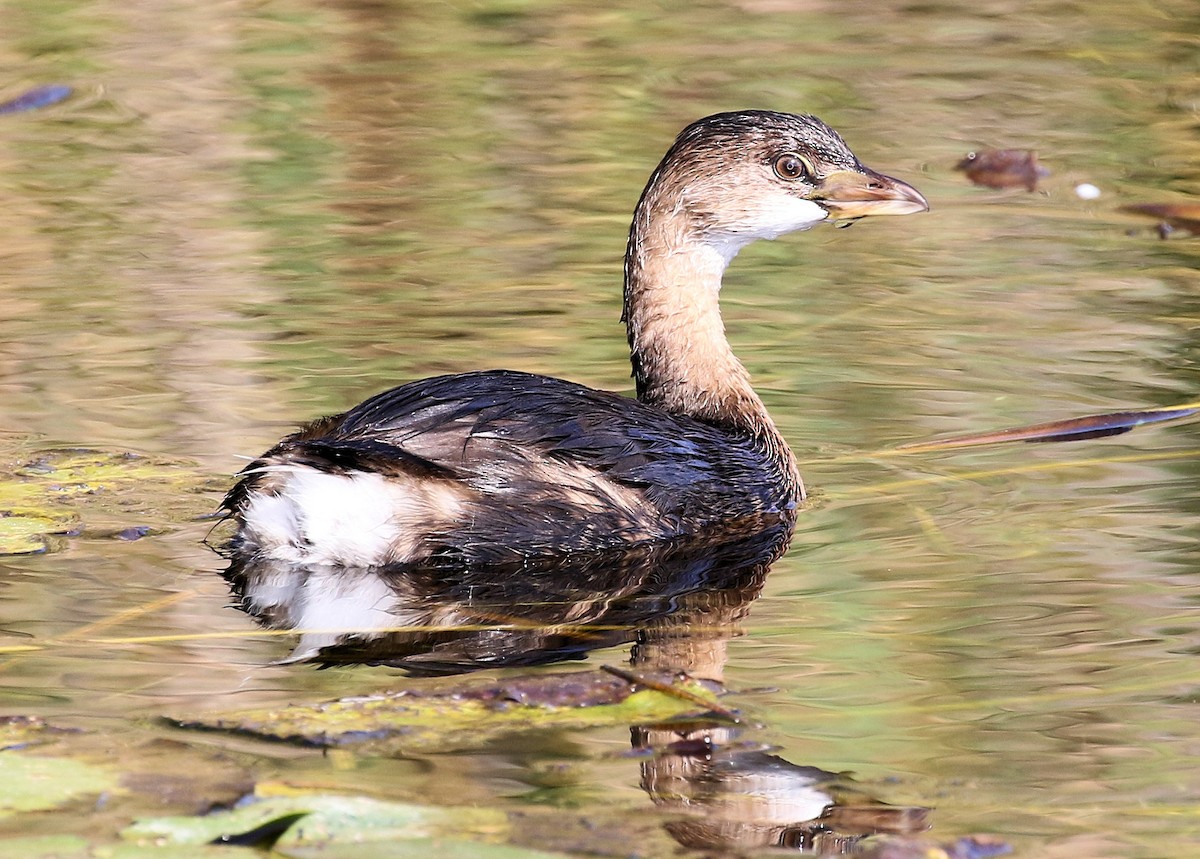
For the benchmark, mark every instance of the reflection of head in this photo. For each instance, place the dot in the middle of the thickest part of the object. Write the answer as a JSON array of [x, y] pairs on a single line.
[[735, 797], [442, 620]]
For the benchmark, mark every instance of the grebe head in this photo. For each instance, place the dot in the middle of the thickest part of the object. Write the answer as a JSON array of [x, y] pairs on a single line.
[[757, 174]]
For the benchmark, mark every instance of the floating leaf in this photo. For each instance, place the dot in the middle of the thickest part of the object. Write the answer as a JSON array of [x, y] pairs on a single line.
[[318, 819], [74, 847], [419, 848], [25, 532], [46, 847], [1072, 429], [172, 851], [466, 716], [31, 783]]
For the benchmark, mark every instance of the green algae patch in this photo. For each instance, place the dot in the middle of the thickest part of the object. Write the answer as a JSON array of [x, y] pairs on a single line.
[[51, 493], [470, 715], [26, 530], [297, 819], [34, 783]]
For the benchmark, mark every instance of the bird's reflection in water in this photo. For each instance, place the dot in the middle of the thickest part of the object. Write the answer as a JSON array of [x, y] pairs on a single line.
[[677, 604], [736, 796], [433, 619]]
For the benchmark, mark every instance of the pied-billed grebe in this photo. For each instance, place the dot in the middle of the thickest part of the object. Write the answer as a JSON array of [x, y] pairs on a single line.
[[497, 466]]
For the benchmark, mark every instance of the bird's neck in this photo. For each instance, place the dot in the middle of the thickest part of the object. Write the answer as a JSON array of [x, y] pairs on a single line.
[[682, 361]]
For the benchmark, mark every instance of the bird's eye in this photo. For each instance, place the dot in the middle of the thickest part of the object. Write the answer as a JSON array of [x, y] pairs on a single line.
[[790, 166]]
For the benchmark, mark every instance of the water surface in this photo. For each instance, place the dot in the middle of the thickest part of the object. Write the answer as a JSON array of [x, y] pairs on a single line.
[[250, 214]]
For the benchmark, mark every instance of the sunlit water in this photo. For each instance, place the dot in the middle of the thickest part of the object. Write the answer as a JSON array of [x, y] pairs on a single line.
[[252, 214]]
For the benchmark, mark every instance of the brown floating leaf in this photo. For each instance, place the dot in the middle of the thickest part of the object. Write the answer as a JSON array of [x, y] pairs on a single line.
[[1003, 168], [1072, 429]]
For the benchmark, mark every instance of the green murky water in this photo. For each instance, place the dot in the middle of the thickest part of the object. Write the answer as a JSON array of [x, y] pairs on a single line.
[[254, 213]]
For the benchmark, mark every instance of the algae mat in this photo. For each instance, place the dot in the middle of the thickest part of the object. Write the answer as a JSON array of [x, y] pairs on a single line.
[[47, 496], [470, 716]]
